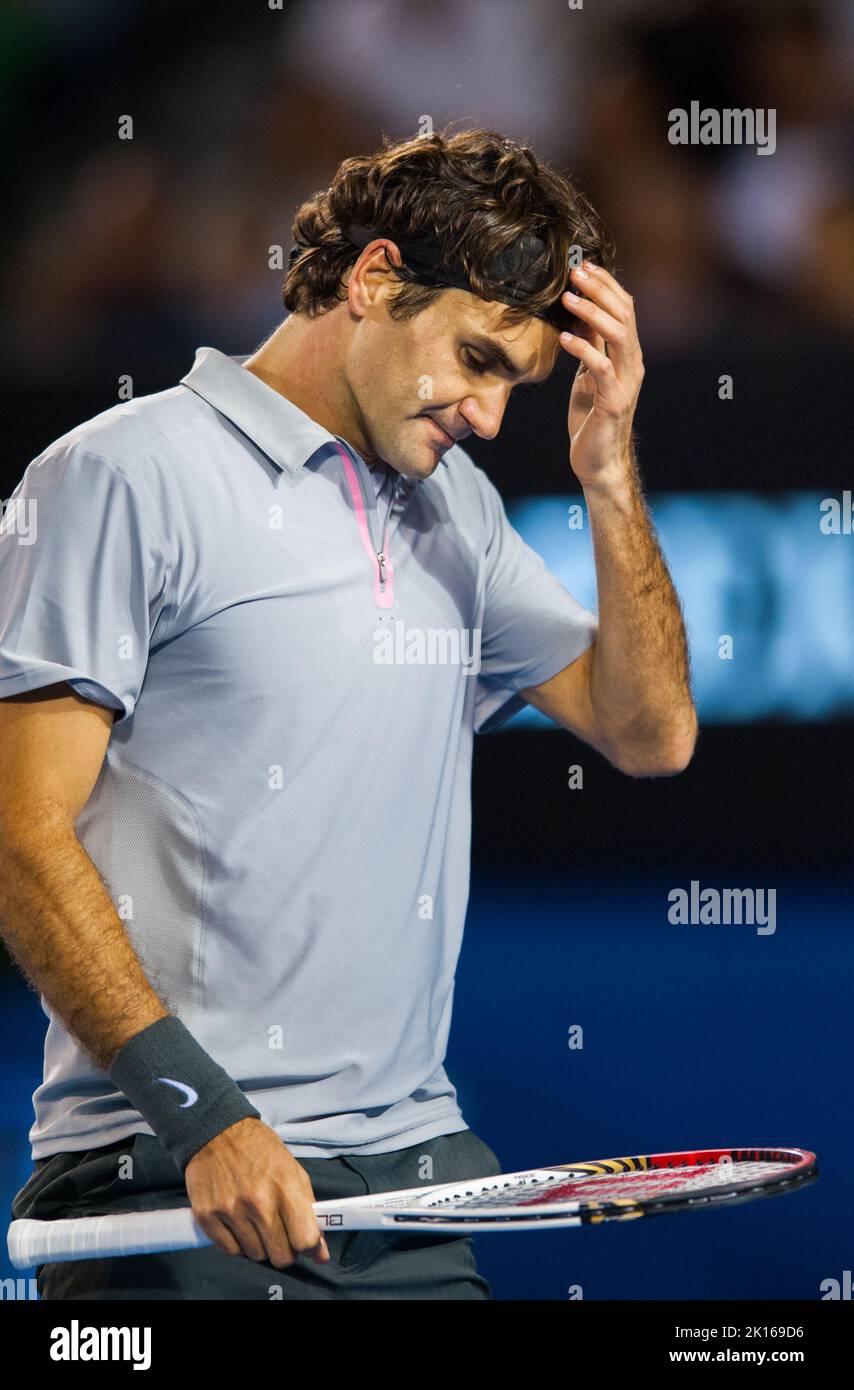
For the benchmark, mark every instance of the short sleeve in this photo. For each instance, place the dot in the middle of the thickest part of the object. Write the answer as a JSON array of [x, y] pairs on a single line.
[[532, 626], [84, 577]]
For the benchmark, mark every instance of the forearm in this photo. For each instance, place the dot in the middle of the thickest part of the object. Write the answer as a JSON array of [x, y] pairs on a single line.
[[64, 933], [640, 679], [68, 939]]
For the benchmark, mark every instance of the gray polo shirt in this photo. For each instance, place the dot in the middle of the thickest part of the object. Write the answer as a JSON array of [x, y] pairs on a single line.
[[299, 666]]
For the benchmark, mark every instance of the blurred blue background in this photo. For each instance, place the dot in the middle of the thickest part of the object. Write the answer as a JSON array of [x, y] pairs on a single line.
[[692, 1036], [765, 572]]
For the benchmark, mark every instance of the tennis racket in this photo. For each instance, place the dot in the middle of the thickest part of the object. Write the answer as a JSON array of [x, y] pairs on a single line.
[[566, 1194]]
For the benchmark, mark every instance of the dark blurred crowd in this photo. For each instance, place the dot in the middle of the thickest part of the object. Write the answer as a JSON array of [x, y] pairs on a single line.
[[126, 254]]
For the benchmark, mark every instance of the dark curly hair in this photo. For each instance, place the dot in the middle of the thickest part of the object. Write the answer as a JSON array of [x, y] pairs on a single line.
[[474, 193]]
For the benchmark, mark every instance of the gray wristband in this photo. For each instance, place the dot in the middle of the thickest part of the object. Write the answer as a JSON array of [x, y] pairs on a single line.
[[182, 1093]]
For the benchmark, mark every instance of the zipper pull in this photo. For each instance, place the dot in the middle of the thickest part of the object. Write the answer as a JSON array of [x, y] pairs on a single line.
[[381, 561]]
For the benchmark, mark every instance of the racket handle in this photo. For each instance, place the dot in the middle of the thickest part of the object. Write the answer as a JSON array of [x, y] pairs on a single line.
[[154, 1232], [86, 1237]]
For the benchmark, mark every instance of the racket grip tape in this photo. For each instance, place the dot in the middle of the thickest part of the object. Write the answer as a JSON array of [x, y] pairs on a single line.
[[180, 1091]]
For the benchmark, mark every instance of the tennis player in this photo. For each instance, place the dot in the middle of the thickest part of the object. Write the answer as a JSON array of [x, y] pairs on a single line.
[[242, 666]]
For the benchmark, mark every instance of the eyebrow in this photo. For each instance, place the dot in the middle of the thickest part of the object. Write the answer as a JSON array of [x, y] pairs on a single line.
[[495, 353]]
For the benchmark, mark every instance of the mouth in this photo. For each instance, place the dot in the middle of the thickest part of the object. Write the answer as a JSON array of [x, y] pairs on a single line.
[[441, 436]]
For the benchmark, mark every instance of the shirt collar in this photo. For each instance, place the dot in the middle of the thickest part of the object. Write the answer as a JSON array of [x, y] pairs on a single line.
[[280, 429]]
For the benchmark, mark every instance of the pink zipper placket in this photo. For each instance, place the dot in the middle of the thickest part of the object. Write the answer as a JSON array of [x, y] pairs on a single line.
[[381, 560]]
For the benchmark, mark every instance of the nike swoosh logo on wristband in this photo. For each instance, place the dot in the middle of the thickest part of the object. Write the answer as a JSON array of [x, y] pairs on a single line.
[[192, 1096]]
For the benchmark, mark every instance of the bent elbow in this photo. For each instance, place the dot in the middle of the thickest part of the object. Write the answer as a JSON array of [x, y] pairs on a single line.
[[666, 760]]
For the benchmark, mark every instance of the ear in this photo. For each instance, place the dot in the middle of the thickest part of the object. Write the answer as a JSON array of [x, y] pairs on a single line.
[[370, 278]]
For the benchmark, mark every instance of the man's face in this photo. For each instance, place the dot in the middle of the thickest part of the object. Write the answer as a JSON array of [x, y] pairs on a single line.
[[422, 384]]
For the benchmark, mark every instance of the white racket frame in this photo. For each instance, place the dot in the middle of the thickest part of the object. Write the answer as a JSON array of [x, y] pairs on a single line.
[[32, 1242]]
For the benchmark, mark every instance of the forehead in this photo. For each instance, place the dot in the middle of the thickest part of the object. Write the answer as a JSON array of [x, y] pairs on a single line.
[[530, 344]]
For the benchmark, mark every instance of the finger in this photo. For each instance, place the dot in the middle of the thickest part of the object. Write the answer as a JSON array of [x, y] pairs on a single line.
[[617, 335], [323, 1256], [245, 1234], [304, 1233], [607, 281], [593, 338], [271, 1232], [584, 330], [609, 296], [219, 1233], [320, 1256], [600, 366], [319, 1252]]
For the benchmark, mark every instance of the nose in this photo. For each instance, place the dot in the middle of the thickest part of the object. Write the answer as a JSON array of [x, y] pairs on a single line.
[[483, 413]]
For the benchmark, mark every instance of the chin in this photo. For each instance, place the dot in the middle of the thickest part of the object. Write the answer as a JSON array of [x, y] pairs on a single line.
[[417, 463], [424, 467]]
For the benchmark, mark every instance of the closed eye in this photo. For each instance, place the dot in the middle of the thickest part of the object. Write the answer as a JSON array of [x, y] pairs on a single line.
[[482, 365], [476, 365]]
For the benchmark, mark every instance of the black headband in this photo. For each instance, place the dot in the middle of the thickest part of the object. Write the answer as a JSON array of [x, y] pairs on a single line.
[[511, 272]]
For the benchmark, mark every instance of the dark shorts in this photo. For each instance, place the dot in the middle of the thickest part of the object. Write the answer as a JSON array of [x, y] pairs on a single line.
[[363, 1264]]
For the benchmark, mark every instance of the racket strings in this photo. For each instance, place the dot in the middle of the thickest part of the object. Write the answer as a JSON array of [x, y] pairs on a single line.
[[649, 1183]]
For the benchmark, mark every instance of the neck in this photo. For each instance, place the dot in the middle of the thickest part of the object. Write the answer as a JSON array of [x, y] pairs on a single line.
[[304, 361]]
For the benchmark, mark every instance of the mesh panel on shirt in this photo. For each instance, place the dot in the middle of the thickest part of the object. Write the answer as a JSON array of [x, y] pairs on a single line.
[[146, 843]]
